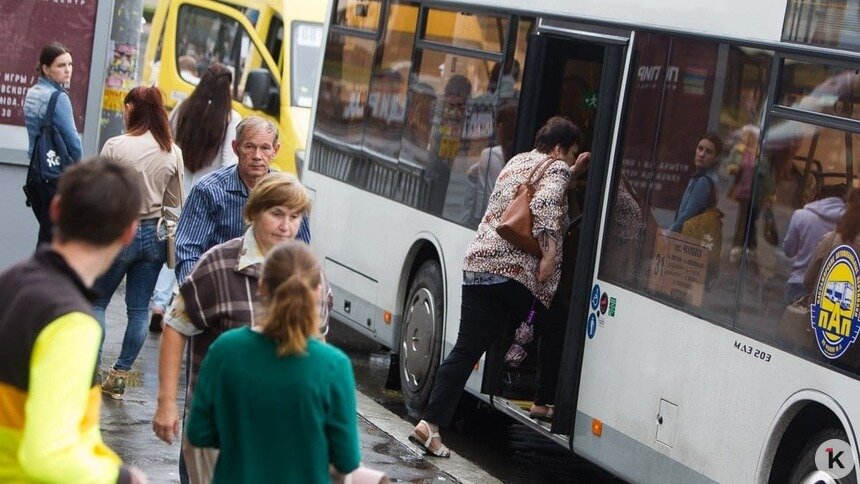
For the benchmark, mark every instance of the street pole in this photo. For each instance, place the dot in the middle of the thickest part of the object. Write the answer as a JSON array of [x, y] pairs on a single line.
[[121, 70]]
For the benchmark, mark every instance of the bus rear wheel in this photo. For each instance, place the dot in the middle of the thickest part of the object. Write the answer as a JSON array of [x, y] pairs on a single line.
[[421, 337], [805, 470]]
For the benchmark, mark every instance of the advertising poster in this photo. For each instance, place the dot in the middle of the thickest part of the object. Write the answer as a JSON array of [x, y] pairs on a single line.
[[669, 111], [28, 25], [679, 268]]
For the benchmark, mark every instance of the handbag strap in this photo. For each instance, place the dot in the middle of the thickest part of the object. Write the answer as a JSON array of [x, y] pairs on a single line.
[[543, 166]]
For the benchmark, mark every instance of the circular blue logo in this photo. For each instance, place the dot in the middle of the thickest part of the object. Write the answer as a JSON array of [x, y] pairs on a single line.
[[592, 325], [595, 296], [835, 312]]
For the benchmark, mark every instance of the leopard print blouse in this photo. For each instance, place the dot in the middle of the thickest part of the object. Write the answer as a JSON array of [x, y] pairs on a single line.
[[490, 253]]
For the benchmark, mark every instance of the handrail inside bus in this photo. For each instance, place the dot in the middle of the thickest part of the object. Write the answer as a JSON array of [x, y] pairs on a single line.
[[401, 163]]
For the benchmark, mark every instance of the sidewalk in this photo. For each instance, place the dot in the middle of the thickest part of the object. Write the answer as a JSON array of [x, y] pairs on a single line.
[[127, 424]]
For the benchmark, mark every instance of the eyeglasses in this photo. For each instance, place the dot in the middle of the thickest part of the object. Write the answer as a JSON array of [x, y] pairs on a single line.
[[251, 149]]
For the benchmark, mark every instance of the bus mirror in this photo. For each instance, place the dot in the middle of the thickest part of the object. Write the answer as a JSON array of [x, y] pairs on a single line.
[[262, 91]]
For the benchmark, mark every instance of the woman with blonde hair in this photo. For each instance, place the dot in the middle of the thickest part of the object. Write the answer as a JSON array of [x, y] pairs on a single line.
[[222, 293], [276, 400]]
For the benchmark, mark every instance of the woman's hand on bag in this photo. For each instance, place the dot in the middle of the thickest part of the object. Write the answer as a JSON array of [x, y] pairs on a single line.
[[581, 163]]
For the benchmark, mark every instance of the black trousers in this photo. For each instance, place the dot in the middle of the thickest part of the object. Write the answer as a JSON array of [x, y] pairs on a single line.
[[39, 196], [487, 313]]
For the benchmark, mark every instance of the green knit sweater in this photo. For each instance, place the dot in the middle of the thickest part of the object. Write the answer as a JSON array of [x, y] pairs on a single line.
[[275, 419]]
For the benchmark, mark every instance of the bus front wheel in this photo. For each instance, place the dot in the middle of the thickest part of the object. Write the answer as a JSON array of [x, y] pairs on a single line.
[[805, 471], [421, 337]]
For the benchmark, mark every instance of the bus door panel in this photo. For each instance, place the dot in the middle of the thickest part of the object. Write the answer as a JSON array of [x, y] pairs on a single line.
[[578, 79]]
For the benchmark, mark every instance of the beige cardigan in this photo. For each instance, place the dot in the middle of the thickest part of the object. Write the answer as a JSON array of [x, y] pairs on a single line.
[[161, 171]]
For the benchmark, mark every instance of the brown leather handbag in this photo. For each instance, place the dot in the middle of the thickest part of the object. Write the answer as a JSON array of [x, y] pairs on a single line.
[[516, 225]]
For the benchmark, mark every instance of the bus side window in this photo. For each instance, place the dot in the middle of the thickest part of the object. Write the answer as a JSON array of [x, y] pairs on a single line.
[[344, 87], [674, 245], [450, 128], [386, 109]]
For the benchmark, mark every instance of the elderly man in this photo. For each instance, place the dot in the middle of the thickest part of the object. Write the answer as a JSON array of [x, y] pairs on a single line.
[[213, 211], [49, 339]]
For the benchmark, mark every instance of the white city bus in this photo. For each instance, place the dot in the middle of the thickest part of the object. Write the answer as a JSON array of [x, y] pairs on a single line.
[[677, 366]]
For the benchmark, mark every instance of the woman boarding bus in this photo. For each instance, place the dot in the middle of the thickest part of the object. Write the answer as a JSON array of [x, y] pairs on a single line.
[[675, 371]]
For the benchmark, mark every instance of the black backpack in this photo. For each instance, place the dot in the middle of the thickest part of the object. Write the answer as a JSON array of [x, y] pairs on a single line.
[[50, 156]]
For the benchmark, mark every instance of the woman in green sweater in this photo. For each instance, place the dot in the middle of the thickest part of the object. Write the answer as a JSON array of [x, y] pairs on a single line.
[[277, 401]]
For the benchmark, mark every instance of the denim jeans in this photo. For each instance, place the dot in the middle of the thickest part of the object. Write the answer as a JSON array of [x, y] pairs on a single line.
[[139, 263]]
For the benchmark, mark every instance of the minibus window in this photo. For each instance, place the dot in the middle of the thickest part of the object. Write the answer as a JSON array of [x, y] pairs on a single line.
[[275, 39], [306, 51], [204, 37], [835, 23]]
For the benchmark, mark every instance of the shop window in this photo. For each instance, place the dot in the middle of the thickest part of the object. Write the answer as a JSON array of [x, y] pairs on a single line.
[[386, 110], [677, 221], [344, 87]]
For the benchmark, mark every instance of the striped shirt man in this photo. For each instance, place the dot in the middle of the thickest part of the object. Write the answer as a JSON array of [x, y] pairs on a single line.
[[213, 215]]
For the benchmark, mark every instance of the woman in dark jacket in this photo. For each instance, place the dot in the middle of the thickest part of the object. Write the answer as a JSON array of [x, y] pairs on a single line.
[[55, 74], [701, 192]]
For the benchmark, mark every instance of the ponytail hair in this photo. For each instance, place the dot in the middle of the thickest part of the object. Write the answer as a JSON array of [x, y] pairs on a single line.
[[147, 113], [203, 118], [291, 277]]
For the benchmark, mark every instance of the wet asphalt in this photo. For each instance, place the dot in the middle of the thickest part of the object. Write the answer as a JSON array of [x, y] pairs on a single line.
[[127, 424], [507, 450]]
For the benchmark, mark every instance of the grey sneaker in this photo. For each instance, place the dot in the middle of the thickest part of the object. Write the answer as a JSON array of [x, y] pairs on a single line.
[[114, 384]]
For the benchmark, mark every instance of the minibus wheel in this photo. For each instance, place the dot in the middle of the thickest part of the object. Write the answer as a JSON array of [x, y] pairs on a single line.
[[421, 336]]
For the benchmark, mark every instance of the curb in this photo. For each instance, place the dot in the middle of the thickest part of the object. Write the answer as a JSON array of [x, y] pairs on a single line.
[[398, 429]]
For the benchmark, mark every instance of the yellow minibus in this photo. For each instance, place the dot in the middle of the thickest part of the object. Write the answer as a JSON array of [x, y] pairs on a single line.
[[272, 47]]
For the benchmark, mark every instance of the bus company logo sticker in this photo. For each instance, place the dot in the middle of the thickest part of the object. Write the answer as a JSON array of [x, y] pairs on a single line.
[[612, 302], [591, 328], [836, 305], [834, 457], [595, 296]]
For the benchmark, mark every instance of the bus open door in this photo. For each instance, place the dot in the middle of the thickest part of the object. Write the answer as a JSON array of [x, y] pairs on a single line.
[[578, 75]]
